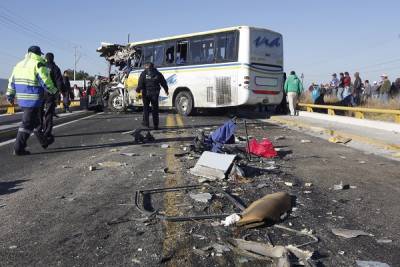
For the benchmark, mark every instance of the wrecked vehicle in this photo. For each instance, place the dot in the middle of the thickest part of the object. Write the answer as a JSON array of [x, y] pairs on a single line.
[[230, 67]]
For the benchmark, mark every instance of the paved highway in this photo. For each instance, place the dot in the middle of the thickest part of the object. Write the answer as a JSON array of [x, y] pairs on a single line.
[[56, 212]]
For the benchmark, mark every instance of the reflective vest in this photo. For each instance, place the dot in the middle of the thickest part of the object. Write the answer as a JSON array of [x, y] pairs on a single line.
[[28, 81]]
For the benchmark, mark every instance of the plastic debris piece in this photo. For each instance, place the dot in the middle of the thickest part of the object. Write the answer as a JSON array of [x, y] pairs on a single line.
[[291, 184], [261, 185], [339, 139], [220, 248], [231, 219], [128, 154], [384, 241], [308, 184], [371, 264], [271, 207], [341, 186], [279, 138], [164, 146], [263, 149], [346, 233], [305, 141], [92, 168], [213, 165], [201, 197], [266, 251]]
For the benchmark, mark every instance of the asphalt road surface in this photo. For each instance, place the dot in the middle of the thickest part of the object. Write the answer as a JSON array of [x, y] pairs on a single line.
[[55, 211]]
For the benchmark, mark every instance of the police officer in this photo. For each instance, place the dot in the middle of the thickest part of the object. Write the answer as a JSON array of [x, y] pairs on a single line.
[[48, 108], [149, 84], [28, 81]]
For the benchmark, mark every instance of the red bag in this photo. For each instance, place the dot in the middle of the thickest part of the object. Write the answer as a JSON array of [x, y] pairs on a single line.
[[263, 149]]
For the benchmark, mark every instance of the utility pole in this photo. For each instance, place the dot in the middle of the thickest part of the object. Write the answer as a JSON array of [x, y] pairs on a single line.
[[77, 57], [129, 35]]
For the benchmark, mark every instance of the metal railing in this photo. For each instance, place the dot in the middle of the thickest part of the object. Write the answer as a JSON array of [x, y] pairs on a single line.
[[358, 112]]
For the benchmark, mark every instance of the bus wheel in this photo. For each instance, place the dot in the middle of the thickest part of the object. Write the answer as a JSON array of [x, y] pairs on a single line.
[[115, 103], [184, 103]]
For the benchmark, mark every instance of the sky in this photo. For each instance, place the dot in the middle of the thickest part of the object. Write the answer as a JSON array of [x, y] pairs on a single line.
[[320, 37]]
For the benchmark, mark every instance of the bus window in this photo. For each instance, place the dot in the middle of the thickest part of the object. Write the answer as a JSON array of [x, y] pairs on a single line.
[[148, 54], [226, 47], [158, 55], [181, 52], [169, 54], [202, 50]]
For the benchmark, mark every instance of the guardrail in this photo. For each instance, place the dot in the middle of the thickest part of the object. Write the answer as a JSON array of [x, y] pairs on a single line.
[[358, 112], [10, 109]]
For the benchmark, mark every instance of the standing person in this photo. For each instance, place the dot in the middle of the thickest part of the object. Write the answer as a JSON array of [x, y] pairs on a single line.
[[346, 85], [334, 84], [28, 81], [66, 93], [48, 108], [385, 88], [367, 90], [77, 92], [341, 87], [293, 88], [149, 84], [357, 88], [375, 90]]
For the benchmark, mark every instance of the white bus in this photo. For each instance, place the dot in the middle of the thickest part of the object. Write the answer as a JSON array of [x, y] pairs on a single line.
[[220, 68]]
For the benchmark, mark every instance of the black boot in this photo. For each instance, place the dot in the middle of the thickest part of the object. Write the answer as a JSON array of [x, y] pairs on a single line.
[[42, 139]]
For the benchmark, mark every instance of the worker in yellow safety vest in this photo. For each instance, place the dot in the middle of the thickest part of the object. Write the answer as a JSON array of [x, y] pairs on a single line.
[[28, 81]]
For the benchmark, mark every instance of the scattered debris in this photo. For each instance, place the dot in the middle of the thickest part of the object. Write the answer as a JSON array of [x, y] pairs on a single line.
[[341, 186], [384, 241], [362, 161], [346, 233], [152, 155], [263, 149], [269, 207], [279, 254], [114, 150], [308, 184], [236, 173], [167, 170], [164, 146], [262, 185], [12, 247], [92, 168], [139, 249], [201, 197], [110, 164], [231, 219], [279, 138], [371, 264], [339, 139], [220, 248], [291, 184], [305, 141], [213, 165], [128, 154]]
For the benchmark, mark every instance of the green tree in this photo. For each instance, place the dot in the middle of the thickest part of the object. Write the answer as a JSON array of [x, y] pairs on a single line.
[[80, 75]]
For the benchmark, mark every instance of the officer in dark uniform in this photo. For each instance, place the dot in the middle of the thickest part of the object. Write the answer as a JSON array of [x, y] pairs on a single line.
[[149, 84], [49, 104]]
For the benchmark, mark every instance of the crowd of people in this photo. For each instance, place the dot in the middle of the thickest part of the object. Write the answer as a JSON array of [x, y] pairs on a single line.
[[353, 92]]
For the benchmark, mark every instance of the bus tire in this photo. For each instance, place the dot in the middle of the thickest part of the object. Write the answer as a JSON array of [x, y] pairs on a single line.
[[184, 103], [115, 102]]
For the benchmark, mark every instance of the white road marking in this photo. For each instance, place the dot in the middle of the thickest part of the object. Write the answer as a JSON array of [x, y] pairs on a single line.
[[57, 126]]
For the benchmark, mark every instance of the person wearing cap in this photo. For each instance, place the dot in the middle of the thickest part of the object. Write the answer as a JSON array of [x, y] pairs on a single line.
[[28, 81], [150, 82], [385, 88], [48, 108]]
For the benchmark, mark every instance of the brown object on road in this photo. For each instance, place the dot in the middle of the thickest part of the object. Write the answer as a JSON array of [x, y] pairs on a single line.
[[270, 207]]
